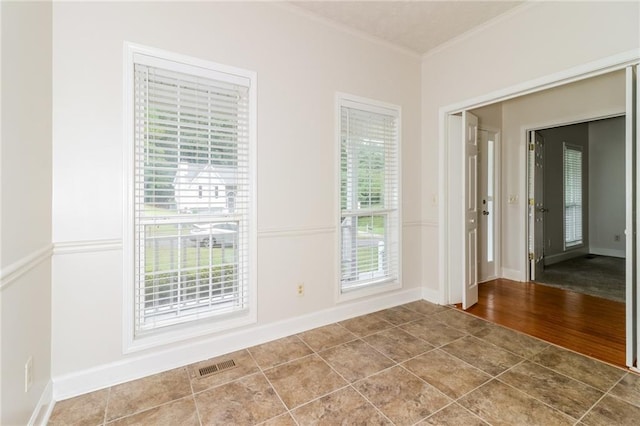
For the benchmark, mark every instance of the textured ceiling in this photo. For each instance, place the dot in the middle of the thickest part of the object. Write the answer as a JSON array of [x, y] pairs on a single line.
[[419, 25]]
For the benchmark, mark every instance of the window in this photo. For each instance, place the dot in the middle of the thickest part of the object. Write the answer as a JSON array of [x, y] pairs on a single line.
[[192, 133], [572, 167], [369, 194]]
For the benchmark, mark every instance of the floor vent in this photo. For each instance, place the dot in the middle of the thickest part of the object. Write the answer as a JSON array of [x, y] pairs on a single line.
[[216, 368]]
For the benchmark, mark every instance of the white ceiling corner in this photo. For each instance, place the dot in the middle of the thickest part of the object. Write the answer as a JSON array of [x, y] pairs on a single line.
[[418, 25]]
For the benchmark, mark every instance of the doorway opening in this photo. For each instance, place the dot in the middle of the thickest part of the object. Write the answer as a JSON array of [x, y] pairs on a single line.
[[573, 102], [576, 195]]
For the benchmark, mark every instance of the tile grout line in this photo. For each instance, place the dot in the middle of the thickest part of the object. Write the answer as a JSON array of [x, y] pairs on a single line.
[[628, 401], [154, 406], [261, 371], [429, 384], [193, 396], [604, 394], [395, 363], [348, 383], [497, 377], [371, 402], [538, 400], [106, 406], [453, 402], [392, 326], [195, 403], [466, 333], [575, 378], [352, 338], [493, 377]]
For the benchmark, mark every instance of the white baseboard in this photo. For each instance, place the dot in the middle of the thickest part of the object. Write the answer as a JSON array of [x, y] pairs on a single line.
[[433, 296], [144, 365], [608, 252], [512, 274], [42, 412]]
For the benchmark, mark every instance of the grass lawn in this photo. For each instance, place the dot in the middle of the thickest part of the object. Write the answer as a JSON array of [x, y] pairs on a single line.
[[162, 255], [371, 224], [367, 259], [165, 258]]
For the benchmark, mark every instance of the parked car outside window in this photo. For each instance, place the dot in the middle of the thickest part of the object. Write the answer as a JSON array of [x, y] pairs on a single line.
[[221, 234]]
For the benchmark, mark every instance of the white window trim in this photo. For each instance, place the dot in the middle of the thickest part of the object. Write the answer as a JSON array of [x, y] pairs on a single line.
[[180, 332], [345, 99]]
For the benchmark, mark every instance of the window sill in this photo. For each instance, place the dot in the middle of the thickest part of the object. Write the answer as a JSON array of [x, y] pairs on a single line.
[[182, 332], [370, 290]]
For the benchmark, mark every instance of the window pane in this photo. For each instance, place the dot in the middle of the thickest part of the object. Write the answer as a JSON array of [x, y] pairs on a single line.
[[368, 197], [191, 197], [187, 271], [364, 257], [572, 195]]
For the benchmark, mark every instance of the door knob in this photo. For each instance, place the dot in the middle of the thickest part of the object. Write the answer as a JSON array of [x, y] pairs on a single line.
[[484, 212], [543, 210]]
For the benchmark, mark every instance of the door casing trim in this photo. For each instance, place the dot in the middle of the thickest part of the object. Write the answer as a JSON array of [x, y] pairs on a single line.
[[447, 246]]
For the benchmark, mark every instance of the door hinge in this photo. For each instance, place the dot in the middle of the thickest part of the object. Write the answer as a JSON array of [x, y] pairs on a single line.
[[532, 202], [532, 256], [532, 147]]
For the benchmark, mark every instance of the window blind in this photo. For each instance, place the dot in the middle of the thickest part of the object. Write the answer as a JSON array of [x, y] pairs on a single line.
[[572, 166], [369, 195], [191, 196]]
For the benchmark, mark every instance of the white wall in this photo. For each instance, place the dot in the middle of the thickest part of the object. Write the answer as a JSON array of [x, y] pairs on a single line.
[[300, 64], [536, 40], [607, 187], [489, 117], [25, 207]]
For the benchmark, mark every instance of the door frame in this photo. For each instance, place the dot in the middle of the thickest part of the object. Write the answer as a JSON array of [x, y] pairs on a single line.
[[537, 128], [470, 191], [451, 162], [534, 211]]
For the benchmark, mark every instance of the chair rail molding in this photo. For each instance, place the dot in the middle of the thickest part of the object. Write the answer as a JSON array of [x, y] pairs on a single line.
[[20, 267], [88, 246]]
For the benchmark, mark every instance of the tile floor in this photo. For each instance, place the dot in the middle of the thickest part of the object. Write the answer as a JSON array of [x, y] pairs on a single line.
[[414, 364]]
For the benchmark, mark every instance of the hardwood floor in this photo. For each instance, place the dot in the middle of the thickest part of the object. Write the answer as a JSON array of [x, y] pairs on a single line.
[[579, 322]]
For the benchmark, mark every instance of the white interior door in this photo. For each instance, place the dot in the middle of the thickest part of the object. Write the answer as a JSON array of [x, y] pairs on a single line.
[[470, 191], [632, 155], [536, 205], [487, 143], [454, 214]]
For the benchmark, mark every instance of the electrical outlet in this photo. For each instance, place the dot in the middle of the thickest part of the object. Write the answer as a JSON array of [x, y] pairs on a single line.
[[28, 374], [616, 238], [301, 289]]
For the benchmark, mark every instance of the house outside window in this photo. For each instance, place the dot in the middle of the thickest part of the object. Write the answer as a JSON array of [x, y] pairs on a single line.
[[191, 258], [369, 146]]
